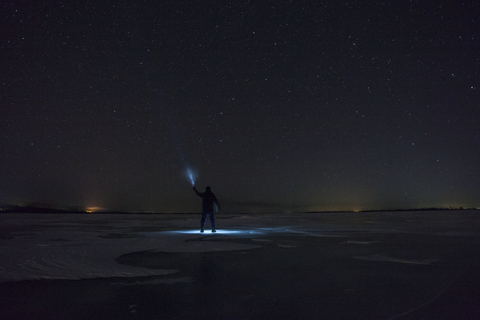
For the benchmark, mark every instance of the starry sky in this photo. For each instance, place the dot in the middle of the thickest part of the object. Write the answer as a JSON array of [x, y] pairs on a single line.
[[279, 106]]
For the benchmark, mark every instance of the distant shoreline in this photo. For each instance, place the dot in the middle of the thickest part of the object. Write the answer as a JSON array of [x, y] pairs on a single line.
[[33, 209]]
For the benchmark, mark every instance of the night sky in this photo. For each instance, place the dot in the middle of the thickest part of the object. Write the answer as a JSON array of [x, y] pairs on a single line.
[[277, 105]]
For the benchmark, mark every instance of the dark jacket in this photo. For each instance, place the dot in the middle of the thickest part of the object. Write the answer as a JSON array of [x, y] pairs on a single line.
[[208, 199]]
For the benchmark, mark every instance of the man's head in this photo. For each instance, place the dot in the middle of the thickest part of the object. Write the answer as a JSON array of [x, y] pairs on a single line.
[[208, 189]]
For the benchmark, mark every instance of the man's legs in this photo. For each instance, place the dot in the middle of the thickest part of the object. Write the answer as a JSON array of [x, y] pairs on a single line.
[[212, 222], [204, 218], [202, 221]]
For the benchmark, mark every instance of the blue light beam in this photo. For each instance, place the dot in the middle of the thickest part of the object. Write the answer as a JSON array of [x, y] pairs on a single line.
[[191, 175]]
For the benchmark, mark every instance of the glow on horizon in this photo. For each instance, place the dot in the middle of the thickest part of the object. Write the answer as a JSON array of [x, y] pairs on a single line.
[[93, 209]]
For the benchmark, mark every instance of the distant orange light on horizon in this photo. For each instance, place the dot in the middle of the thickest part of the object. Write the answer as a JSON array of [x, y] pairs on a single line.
[[93, 209]]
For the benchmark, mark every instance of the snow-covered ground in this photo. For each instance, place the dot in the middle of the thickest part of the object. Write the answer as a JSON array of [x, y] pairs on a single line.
[[91, 246], [81, 246], [53, 246]]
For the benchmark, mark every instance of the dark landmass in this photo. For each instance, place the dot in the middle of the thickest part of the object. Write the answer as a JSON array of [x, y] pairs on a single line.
[[34, 209], [45, 209], [396, 210]]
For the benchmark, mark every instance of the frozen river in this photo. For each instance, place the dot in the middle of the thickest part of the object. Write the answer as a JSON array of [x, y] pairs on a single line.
[[381, 265]]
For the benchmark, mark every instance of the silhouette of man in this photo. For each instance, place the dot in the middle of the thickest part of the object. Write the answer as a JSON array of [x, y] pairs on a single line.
[[208, 199]]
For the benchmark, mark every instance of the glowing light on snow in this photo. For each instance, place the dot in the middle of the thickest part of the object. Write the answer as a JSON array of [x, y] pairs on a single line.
[[191, 175], [219, 231]]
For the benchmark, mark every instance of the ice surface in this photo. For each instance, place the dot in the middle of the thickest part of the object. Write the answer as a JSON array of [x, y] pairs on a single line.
[[360, 242], [376, 265], [81, 247], [70, 256], [86, 246], [383, 257], [177, 241]]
